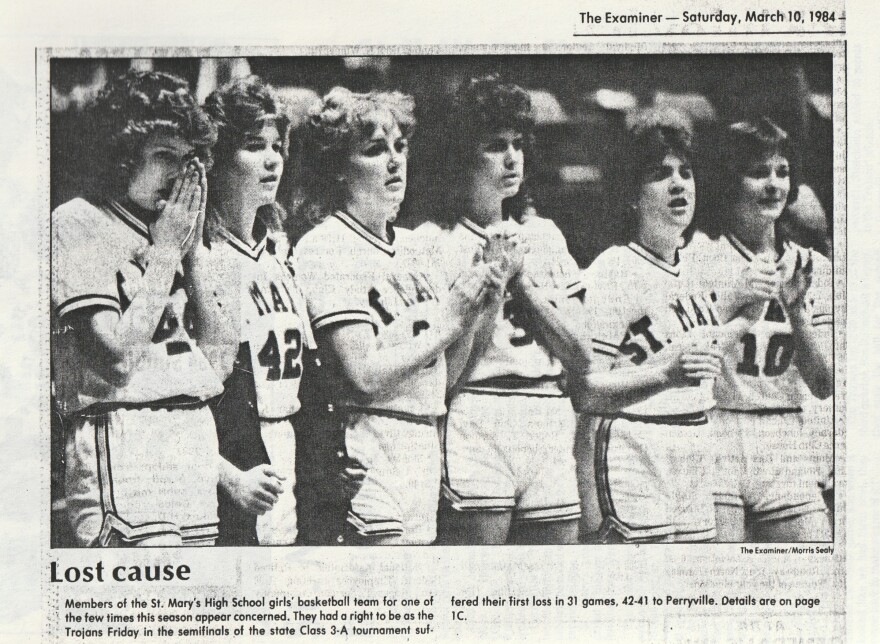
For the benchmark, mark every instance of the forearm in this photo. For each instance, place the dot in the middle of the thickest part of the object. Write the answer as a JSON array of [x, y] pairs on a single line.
[[813, 360], [212, 294], [565, 335], [119, 343], [457, 357], [607, 392], [374, 370]]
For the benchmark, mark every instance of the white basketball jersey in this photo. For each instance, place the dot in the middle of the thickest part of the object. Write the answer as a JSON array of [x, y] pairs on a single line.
[[515, 349], [636, 305], [759, 372], [99, 257], [274, 324], [349, 275]]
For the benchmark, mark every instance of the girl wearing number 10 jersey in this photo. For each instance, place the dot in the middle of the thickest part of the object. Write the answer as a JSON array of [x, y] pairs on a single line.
[[766, 486]]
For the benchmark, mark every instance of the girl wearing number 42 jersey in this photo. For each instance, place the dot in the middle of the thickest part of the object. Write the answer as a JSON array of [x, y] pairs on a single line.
[[766, 487], [251, 319], [392, 329]]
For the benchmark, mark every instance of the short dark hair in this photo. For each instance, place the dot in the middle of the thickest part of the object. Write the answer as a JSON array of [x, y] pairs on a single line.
[[326, 137], [650, 137], [740, 145], [481, 106], [131, 109]]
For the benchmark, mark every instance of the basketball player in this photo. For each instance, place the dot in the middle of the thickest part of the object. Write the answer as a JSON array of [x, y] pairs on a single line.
[[251, 318], [386, 319], [767, 488], [509, 471], [142, 458], [657, 343]]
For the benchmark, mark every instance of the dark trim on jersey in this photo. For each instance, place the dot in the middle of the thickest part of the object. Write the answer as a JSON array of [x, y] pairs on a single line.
[[366, 233], [475, 228], [605, 348], [652, 257], [175, 402], [684, 420], [128, 218], [430, 421], [765, 411], [822, 318], [86, 301], [742, 249], [253, 252]]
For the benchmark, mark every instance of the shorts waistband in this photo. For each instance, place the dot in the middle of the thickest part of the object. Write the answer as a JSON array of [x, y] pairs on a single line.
[[431, 421], [517, 385], [770, 411], [175, 402], [696, 418]]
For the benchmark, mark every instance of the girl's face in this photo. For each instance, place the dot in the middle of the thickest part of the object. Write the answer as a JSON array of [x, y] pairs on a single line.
[[161, 161], [374, 175], [498, 167], [254, 170], [763, 190], [667, 194]]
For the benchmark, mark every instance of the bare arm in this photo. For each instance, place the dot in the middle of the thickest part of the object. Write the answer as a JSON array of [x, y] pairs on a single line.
[[119, 342], [372, 370], [813, 345]]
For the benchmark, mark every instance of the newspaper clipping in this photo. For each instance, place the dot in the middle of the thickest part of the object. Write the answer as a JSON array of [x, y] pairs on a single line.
[[446, 340]]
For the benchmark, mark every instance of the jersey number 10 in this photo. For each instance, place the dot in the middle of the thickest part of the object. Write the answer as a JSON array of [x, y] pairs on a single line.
[[780, 350]]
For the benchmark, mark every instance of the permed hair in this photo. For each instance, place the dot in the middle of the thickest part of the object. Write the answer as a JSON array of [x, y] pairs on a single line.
[[741, 145], [238, 109], [481, 106], [327, 136], [650, 137], [130, 110]]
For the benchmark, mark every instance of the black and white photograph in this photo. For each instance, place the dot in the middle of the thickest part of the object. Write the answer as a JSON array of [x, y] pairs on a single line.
[[456, 299]]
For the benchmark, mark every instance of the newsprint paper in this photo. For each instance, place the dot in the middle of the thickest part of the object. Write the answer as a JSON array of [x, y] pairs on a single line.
[[361, 322]]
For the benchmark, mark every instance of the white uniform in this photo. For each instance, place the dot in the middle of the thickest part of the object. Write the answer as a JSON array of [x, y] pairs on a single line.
[[767, 459], [509, 435], [652, 459], [142, 457], [255, 415], [351, 276]]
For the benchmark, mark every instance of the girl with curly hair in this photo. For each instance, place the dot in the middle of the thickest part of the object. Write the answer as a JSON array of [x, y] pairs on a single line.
[[392, 332], [657, 341], [251, 317], [509, 436], [142, 456], [766, 488]]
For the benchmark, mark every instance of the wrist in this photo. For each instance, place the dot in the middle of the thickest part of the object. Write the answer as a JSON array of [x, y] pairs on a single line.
[[797, 313]]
